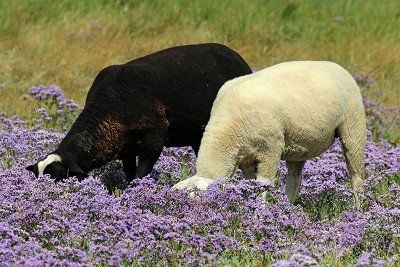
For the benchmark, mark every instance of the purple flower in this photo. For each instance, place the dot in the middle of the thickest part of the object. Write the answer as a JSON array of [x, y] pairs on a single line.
[[297, 260], [364, 80], [94, 222], [367, 259]]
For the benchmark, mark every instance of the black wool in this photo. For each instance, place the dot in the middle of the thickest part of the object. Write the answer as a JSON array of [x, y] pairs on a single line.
[[137, 108]]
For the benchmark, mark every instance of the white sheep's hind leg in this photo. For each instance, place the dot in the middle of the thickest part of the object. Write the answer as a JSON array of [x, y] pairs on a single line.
[[353, 150], [354, 156], [293, 179], [352, 133]]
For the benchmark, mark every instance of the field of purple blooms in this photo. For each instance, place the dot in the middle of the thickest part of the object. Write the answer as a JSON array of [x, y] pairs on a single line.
[[103, 221]]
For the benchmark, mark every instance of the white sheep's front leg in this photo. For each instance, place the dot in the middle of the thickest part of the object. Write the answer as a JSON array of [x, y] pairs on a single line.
[[268, 162], [268, 167]]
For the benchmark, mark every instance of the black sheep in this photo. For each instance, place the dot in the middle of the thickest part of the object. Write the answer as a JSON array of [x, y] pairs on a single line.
[[137, 108]]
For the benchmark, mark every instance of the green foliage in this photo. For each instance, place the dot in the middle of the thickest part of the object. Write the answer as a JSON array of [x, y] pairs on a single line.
[[330, 208], [68, 42], [185, 172], [392, 137]]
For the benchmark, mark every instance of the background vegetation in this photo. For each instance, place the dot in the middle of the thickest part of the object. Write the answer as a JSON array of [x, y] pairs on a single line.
[[69, 42]]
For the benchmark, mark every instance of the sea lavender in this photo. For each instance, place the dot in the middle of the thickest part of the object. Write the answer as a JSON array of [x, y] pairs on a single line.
[[85, 224], [363, 79], [52, 99]]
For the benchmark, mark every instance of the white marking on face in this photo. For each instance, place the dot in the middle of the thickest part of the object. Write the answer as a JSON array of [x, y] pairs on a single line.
[[48, 160]]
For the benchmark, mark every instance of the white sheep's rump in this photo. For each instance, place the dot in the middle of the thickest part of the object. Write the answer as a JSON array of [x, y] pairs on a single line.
[[290, 111]]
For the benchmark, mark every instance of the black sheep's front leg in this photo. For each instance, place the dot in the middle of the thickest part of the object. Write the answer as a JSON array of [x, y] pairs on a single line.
[[196, 147], [129, 165], [150, 151]]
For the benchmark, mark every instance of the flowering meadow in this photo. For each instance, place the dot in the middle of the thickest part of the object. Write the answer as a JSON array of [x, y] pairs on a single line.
[[102, 221]]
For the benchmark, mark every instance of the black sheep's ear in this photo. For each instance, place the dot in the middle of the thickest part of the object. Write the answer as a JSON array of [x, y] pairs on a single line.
[[33, 168], [30, 167]]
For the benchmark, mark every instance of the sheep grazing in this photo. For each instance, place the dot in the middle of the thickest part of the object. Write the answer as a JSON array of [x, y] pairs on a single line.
[[135, 109], [290, 111]]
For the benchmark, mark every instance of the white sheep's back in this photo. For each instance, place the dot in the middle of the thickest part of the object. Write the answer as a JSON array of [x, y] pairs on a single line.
[[307, 100]]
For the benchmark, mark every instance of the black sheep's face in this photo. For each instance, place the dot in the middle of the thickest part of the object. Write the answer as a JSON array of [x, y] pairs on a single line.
[[56, 168]]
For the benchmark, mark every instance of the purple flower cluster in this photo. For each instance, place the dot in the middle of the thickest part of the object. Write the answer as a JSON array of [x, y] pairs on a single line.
[[297, 260], [55, 111], [53, 94], [363, 80], [384, 122], [95, 223]]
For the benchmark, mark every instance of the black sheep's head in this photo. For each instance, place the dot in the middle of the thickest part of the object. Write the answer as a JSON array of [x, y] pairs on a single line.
[[59, 168]]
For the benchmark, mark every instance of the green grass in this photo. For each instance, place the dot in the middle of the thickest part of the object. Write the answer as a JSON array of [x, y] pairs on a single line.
[[68, 42]]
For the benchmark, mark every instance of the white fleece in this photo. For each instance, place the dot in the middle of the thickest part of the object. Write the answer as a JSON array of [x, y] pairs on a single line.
[[289, 111]]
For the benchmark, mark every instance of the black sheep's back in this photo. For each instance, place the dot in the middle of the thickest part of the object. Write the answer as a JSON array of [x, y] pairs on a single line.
[[185, 79]]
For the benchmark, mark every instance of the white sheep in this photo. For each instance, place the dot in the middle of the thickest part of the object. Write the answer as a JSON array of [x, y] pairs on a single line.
[[290, 111]]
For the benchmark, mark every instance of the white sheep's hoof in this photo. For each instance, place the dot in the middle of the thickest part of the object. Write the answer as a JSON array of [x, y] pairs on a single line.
[[193, 182]]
